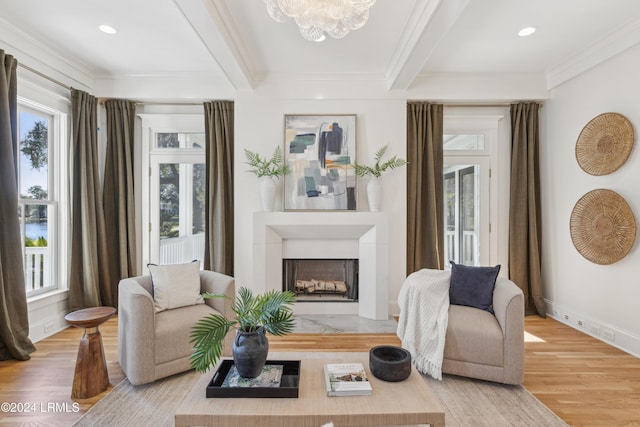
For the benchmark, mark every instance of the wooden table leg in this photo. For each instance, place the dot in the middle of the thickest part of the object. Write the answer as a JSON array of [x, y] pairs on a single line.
[[91, 376]]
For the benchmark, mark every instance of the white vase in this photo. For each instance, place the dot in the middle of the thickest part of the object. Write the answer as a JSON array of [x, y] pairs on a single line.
[[374, 194], [267, 193]]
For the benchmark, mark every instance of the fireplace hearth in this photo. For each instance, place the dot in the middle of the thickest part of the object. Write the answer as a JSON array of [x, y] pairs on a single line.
[[321, 280]]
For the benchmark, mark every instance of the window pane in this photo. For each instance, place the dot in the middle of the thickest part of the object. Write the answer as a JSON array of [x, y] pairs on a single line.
[[468, 216], [463, 142], [182, 206], [167, 140], [198, 223], [450, 216], [461, 212], [195, 140], [37, 254], [34, 156], [169, 200], [180, 140]]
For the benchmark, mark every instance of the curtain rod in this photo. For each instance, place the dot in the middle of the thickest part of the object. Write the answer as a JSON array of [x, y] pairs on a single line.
[[103, 100], [44, 76], [497, 104], [476, 105], [170, 103]]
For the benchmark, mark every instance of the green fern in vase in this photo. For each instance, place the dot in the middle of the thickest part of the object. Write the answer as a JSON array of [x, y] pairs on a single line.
[[273, 167], [377, 169]]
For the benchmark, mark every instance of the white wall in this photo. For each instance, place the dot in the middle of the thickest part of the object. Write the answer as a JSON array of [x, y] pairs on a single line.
[[599, 299], [259, 126]]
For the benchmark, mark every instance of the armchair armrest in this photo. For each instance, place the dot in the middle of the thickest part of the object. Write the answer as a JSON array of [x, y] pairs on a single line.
[[508, 305], [218, 283], [136, 329]]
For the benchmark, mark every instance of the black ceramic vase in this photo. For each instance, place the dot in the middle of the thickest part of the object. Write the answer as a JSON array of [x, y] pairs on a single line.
[[250, 351]]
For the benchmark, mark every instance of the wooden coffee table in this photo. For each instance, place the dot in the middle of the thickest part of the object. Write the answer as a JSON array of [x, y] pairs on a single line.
[[409, 402]]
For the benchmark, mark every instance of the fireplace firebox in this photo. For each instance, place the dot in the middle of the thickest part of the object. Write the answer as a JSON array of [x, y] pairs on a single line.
[[321, 280]]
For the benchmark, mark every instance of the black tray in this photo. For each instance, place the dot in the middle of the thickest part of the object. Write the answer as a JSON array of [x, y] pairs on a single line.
[[288, 384]]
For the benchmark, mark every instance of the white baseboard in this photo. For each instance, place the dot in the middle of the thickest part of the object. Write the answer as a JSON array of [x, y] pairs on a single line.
[[46, 315], [602, 331], [46, 327]]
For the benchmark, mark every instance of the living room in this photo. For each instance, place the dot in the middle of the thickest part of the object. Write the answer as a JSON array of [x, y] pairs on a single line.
[[380, 69]]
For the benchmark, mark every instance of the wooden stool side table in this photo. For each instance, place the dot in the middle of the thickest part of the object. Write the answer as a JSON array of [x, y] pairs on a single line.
[[91, 376]]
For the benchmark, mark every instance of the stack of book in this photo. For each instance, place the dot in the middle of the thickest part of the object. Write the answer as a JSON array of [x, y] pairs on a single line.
[[346, 379]]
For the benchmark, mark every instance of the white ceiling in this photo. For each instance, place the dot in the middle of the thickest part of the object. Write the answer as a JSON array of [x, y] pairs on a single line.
[[237, 41]]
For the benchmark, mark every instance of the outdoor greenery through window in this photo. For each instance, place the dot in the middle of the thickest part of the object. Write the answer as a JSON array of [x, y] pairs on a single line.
[[179, 184], [180, 140], [36, 204], [465, 159]]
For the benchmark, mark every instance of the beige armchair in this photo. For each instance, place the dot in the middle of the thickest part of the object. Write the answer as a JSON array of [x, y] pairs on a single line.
[[481, 345], [155, 345]]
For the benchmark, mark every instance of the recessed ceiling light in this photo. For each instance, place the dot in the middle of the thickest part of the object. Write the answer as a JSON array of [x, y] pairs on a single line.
[[107, 29], [526, 31]]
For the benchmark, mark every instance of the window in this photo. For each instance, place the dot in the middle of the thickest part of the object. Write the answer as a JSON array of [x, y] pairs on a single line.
[[462, 219], [174, 188], [470, 192], [177, 203], [38, 200]]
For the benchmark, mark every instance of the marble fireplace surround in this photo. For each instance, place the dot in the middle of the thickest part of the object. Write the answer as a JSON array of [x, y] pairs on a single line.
[[362, 235]]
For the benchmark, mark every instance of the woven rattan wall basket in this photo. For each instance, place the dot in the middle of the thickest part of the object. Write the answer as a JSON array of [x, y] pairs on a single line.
[[604, 144], [603, 228]]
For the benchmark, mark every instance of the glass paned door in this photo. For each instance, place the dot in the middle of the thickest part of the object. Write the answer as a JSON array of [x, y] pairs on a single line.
[[466, 216], [177, 199]]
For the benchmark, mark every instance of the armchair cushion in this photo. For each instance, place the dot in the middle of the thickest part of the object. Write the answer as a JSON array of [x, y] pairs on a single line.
[[175, 285], [473, 286]]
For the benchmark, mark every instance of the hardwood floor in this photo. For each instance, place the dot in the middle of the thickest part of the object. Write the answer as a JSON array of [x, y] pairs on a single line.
[[584, 381]]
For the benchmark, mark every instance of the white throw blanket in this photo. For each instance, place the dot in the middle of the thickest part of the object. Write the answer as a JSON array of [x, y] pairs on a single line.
[[424, 307]]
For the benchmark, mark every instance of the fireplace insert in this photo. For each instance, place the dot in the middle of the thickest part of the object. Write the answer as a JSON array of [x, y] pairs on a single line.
[[321, 280]]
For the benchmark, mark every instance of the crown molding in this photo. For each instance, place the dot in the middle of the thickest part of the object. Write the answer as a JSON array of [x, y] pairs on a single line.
[[619, 41], [39, 56]]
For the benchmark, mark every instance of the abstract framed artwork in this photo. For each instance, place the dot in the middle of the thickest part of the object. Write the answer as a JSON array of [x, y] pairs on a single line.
[[320, 150]]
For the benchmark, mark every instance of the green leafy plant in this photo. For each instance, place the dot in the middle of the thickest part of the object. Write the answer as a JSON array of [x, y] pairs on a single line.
[[273, 167], [377, 169], [271, 311]]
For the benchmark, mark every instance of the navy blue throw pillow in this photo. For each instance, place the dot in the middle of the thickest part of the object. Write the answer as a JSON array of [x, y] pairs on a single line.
[[473, 286]]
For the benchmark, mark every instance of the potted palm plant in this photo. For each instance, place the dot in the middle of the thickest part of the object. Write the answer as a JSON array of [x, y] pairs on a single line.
[[374, 189], [267, 170], [255, 315]]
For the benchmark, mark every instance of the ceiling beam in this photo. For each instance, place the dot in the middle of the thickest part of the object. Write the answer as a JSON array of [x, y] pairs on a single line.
[[430, 21], [211, 21]]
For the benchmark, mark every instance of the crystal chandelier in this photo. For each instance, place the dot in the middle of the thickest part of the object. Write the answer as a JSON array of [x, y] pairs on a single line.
[[315, 18]]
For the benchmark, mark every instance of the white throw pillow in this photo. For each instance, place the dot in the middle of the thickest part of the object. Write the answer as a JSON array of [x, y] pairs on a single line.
[[175, 285]]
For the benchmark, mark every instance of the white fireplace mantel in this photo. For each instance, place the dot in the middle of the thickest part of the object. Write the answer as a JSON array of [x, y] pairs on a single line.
[[327, 233]]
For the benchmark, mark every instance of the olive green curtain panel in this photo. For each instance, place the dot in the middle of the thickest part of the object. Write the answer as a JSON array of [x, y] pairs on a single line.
[[218, 249], [425, 192], [524, 206], [14, 321], [90, 280], [118, 191]]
